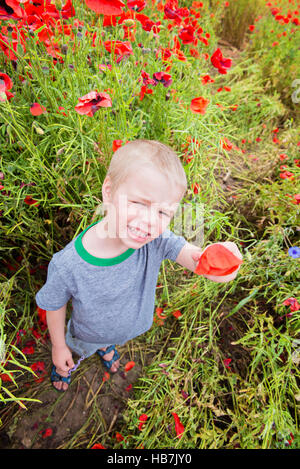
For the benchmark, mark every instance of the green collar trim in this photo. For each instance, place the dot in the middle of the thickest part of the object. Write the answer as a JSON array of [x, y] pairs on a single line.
[[86, 256]]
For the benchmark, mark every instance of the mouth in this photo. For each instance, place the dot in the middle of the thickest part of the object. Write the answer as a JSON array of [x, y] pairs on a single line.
[[137, 234]]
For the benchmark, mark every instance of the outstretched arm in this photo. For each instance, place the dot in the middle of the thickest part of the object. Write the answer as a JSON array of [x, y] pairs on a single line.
[[190, 255]]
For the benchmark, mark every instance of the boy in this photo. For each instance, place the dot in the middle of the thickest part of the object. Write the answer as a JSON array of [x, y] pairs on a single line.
[[110, 270]]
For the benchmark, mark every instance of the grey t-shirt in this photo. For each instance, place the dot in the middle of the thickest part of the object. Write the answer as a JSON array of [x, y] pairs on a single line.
[[113, 299]]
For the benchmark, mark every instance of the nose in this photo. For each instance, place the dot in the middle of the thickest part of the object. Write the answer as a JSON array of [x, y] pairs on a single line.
[[149, 220]]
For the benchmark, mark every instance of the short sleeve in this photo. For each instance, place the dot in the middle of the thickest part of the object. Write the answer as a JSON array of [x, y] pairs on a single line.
[[169, 245], [55, 293]]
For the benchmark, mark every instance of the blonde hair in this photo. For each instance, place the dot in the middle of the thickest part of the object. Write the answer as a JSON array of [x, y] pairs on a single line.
[[140, 153]]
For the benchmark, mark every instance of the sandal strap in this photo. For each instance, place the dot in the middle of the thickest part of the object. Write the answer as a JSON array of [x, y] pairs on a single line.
[[55, 377], [108, 363], [107, 350]]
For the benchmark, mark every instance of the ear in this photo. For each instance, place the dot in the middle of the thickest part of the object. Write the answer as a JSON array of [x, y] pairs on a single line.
[[106, 189]]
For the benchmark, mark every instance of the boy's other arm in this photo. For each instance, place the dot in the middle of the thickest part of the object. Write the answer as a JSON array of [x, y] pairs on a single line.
[[61, 354], [190, 255]]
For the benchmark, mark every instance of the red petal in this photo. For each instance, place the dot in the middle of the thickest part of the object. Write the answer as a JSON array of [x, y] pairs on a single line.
[[199, 105], [217, 260], [129, 365], [106, 7], [36, 109], [179, 428]]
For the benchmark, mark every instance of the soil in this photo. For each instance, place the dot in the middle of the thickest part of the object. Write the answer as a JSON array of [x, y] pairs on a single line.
[[91, 408]]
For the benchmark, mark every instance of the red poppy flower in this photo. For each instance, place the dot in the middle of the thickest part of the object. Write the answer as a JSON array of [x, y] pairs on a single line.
[[179, 428], [11, 9], [5, 85], [120, 48], [144, 90], [5, 377], [142, 419], [162, 77], [187, 34], [136, 5], [36, 109], [293, 303], [226, 144], [68, 10], [227, 362], [177, 314], [98, 446], [46, 433], [106, 7], [199, 105], [217, 260], [207, 79], [40, 371], [116, 144], [129, 365], [287, 175], [172, 14], [30, 201], [219, 62], [146, 78], [91, 102], [119, 437]]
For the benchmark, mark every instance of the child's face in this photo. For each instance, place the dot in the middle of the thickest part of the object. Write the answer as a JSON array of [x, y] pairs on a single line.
[[146, 201]]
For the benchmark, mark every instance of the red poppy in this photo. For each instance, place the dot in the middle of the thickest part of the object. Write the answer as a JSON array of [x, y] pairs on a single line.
[[36, 109], [5, 377], [172, 14], [136, 5], [293, 303], [40, 371], [5, 85], [46, 433], [91, 102], [116, 144], [199, 105], [226, 144], [177, 314], [11, 9], [219, 62], [179, 428], [119, 437], [162, 77], [98, 446], [287, 175], [67, 10], [30, 201], [207, 79], [106, 7], [146, 78], [227, 362], [120, 48], [142, 419], [144, 90], [187, 34], [217, 260], [129, 365]]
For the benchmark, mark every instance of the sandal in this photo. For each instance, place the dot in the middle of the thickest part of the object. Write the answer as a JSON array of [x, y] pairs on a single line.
[[55, 377], [108, 363]]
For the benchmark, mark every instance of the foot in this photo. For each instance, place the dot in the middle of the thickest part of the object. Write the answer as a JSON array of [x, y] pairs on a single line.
[[57, 382], [107, 357]]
